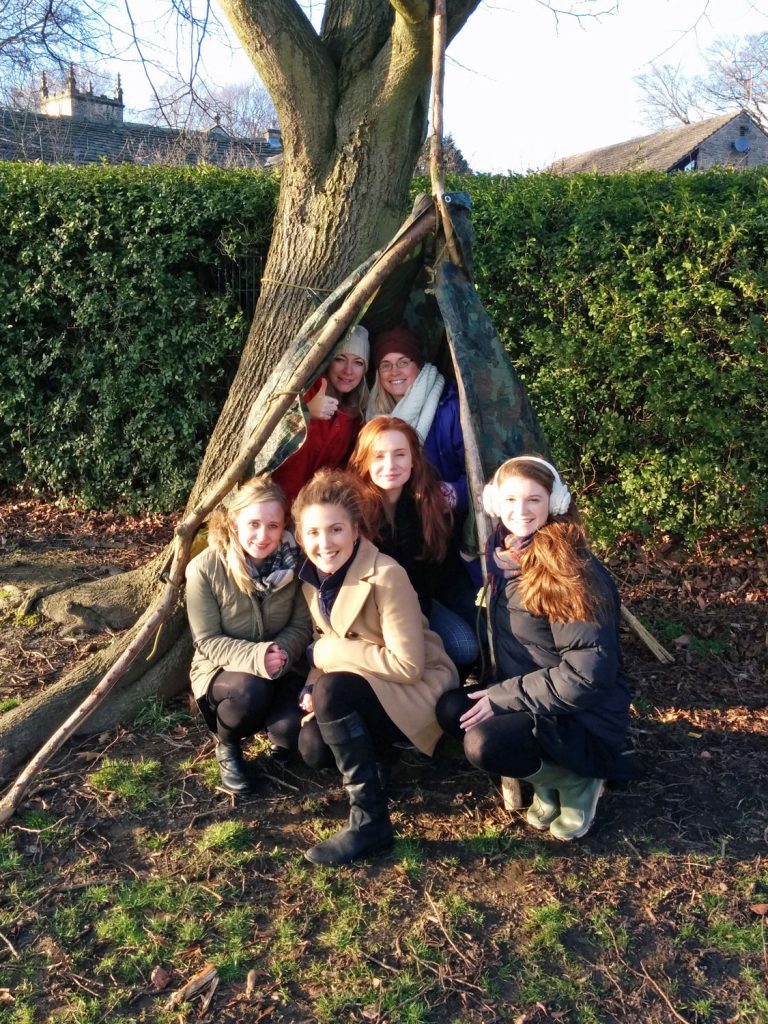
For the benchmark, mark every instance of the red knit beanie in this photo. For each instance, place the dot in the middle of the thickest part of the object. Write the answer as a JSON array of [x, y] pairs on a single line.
[[398, 339]]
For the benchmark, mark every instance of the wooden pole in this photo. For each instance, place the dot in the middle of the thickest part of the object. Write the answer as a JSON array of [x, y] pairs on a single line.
[[436, 152], [184, 533]]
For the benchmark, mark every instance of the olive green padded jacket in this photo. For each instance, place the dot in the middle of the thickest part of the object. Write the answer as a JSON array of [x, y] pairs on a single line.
[[232, 630]]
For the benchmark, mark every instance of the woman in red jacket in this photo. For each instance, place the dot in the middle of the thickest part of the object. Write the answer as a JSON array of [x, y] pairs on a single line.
[[336, 404]]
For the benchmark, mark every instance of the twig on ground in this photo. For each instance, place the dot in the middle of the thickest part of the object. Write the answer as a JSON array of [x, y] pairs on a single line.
[[10, 946]]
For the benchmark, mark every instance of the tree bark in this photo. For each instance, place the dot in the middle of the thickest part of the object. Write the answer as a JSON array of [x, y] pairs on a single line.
[[352, 103]]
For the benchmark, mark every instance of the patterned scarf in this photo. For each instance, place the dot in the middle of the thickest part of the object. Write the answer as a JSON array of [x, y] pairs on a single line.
[[505, 555], [278, 568]]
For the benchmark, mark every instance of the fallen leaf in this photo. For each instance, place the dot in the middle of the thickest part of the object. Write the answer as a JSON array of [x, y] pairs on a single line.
[[761, 909], [158, 979]]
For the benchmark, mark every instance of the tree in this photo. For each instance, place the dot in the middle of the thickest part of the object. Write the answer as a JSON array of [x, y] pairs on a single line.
[[245, 109], [736, 75], [351, 98], [454, 160], [38, 34]]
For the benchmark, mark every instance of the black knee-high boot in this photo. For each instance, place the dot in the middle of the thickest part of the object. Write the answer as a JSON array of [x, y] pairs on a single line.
[[369, 829], [232, 769]]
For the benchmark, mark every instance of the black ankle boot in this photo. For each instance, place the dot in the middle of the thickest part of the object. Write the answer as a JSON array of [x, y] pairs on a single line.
[[232, 767], [369, 829]]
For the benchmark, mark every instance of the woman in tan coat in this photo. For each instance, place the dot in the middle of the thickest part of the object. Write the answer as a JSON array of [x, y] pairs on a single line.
[[250, 625], [377, 669]]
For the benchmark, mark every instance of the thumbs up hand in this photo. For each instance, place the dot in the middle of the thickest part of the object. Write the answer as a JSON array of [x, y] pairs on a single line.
[[322, 406]]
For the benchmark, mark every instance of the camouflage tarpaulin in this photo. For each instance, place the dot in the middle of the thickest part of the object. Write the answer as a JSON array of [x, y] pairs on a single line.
[[433, 296]]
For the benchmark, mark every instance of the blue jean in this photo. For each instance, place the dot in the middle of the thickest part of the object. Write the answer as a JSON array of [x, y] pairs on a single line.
[[457, 635]]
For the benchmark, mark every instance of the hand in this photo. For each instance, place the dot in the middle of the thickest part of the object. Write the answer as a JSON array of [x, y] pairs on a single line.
[[482, 710], [322, 406], [305, 699], [274, 660]]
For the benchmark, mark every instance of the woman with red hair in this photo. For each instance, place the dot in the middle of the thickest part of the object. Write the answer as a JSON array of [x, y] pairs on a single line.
[[409, 518], [558, 714]]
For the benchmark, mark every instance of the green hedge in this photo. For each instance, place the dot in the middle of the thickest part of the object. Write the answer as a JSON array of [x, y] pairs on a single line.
[[633, 305], [635, 308], [118, 341]]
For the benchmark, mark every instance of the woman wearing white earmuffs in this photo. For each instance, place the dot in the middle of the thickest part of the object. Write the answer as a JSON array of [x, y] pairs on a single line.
[[558, 714]]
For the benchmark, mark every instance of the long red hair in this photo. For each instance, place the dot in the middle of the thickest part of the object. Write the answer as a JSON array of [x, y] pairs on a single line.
[[424, 486], [557, 580]]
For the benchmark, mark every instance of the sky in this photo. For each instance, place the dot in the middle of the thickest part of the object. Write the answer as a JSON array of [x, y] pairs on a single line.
[[524, 87]]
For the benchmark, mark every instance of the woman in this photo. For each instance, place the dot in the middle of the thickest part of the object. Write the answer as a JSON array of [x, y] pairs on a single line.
[[413, 390], [336, 405], [559, 713], [410, 519], [378, 671], [250, 625]]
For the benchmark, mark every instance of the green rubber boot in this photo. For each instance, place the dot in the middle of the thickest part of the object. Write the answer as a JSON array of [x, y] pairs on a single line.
[[578, 803], [546, 804], [576, 795]]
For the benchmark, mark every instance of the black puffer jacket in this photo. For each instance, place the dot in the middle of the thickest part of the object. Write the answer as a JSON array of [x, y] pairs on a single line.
[[569, 676]]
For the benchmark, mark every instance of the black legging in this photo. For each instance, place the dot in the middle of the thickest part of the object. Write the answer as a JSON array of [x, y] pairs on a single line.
[[246, 704], [336, 695], [502, 745]]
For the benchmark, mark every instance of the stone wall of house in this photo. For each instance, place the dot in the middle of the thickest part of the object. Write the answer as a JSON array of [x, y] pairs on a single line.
[[718, 149]]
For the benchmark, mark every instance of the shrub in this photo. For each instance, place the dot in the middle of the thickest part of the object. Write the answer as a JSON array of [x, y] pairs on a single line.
[[118, 338]]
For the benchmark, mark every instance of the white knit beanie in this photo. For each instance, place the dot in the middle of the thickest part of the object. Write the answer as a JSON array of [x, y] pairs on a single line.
[[355, 343]]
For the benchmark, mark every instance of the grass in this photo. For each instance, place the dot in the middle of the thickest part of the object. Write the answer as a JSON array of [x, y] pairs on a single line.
[[155, 714], [131, 781], [439, 931], [9, 703]]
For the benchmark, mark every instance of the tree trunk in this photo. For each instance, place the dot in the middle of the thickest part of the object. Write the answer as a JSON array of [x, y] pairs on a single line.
[[352, 102]]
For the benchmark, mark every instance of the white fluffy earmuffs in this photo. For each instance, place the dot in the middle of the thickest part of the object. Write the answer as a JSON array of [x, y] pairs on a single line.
[[559, 498]]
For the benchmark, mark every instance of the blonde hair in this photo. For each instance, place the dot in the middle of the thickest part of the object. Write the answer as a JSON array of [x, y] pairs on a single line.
[[222, 528], [355, 343], [557, 579], [381, 402]]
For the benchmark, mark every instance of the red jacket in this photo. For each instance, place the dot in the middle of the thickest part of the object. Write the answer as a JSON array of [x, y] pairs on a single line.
[[327, 444]]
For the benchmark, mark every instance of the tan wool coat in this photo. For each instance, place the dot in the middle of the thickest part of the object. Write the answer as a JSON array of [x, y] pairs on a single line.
[[232, 630], [378, 631]]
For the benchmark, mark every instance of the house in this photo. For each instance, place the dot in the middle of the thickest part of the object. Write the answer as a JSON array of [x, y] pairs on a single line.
[[729, 140], [79, 127]]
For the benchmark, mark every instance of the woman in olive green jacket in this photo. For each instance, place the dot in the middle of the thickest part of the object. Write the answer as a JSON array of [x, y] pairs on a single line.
[[250, 626]]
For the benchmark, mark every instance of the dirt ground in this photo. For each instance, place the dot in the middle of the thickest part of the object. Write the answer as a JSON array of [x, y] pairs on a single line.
[[128, 871]]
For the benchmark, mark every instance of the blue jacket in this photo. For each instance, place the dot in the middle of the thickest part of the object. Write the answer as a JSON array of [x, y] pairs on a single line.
[[569, 677], [444, 447]]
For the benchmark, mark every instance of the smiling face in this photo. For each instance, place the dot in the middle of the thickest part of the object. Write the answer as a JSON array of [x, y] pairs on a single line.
[[397, 373], [328, 536], [391, 462], [524, 505], [259, 528], [345, 372]]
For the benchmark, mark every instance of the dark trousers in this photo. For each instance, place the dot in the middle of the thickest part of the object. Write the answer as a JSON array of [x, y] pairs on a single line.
[[336, 695], [240, 705], [502, 745]]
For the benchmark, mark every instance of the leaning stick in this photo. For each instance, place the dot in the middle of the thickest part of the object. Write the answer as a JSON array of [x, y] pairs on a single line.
[[185, 532], [648, 639]]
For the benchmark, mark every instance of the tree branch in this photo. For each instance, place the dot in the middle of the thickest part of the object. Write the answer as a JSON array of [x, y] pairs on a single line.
[[296, 68]]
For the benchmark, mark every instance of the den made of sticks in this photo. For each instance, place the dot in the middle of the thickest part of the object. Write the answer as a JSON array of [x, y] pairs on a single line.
[[134, 885]]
